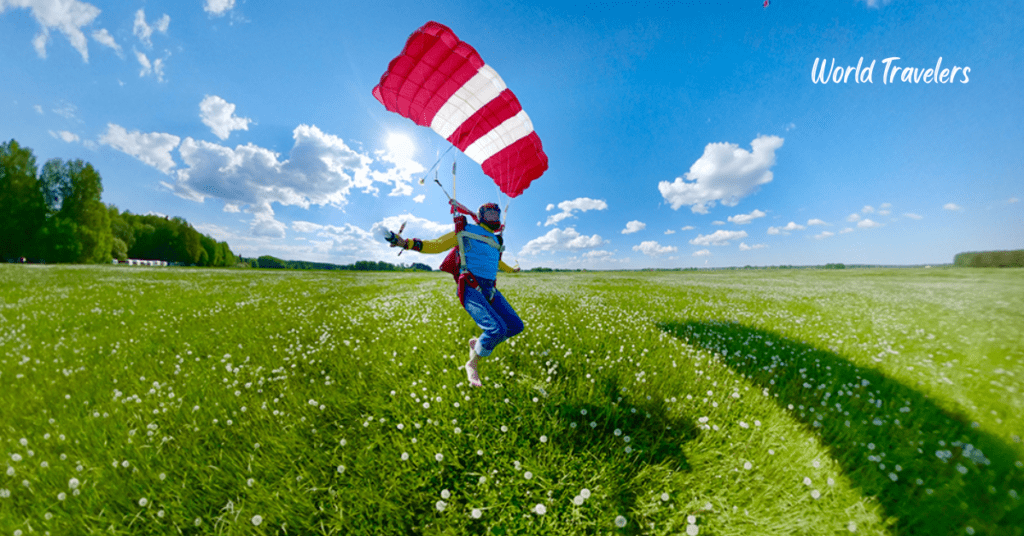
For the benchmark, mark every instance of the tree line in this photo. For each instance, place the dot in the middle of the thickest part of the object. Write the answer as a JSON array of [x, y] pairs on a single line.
[[55, 215], [990, 259], [268, 261]]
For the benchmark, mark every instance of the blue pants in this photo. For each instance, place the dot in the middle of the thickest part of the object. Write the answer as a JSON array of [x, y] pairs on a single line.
[[495, 317]]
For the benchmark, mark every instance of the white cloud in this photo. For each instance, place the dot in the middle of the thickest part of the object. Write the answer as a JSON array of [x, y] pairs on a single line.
[[791, 226], [875, 3], [414, 226], [103, 37], [718, 222], [718, 238], [913, 216], [419, 198], [218, 7], [846, 230], [952, 206], [581, 204], [1012, 200], [702, 253], [561, 240], [66, 16], [228, 207], [867, 210], [743, 219], [724, 173], [670, 231], [219, 115], [68, 137], [653, 249], [155, 68], [145, 32], [824, 234], [265, 226], [868, 224], [598, 254], [39, 109], [745, 247], [153, 148], [688, 228], [634, 226], [853, 217], [320, 170], [816, 221], [884, 209]]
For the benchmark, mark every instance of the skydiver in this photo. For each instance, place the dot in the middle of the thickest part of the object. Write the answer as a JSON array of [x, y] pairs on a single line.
[[475, 270]]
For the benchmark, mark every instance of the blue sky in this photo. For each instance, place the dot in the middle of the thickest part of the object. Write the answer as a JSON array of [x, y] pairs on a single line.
[[679, 134]]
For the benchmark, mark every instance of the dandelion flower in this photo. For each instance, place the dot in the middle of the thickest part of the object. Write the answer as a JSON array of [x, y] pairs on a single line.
[[692, 520], [617, 432], [528, 475], [439, 457], [852, 527], [807, 481], [198, 521], [257, 520], [16, 457], [341, 469], [692, 530], [620, 521], [4, 493], [578, 500], [250, 482], [476, 513], [143, 502], [540, 509], [61, 496], [815, 494], [585, 493], [543, 439], [445, 494], [440, 505], [748, 466], [405, 456], [664, 496], [73, 483]]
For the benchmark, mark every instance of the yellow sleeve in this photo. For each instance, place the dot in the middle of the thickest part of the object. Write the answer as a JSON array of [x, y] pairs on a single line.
[[505, 268], [438, 245]]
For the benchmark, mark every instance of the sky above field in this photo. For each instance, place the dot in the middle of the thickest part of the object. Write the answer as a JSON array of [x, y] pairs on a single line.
[[679, 134]]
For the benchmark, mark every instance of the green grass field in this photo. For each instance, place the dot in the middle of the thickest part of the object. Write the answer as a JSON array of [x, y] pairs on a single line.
[[192, 401]]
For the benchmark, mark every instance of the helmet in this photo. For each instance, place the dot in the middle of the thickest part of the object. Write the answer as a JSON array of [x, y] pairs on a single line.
[[490, 215]]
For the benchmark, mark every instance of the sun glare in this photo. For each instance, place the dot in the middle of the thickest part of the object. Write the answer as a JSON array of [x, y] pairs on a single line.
[[400, 145]]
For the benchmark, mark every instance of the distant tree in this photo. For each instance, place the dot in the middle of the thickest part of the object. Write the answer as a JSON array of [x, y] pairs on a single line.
[[118, 249], [266, 261], [421, 266], [72, 191], [22, 202]]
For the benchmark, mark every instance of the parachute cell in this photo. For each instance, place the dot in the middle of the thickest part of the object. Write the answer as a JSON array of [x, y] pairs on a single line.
[[441, 82]]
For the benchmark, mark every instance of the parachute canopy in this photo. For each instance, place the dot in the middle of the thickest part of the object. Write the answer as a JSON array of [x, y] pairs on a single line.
[[441, 82]]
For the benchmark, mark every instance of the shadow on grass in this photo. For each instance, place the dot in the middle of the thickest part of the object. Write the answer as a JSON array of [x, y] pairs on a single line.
[[637, 443], [932, 471]]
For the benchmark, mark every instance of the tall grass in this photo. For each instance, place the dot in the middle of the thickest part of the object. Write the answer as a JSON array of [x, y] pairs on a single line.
[[261, 402]]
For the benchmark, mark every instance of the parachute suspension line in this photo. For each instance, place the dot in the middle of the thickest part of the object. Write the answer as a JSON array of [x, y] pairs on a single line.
[[425, 175]]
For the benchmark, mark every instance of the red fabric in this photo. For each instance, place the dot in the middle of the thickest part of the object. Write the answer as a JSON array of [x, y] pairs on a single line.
[[431, 68], [494, 113], [517, 165]]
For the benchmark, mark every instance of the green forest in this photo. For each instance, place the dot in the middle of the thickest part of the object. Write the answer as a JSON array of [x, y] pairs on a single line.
[[55, 215]]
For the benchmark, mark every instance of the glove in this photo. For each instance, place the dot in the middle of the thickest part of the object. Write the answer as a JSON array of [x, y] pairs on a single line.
[[395, 240]]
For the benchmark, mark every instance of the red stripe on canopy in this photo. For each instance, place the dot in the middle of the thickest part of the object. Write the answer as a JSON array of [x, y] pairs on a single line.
[[516, 166], [433, 65], [494, 113]]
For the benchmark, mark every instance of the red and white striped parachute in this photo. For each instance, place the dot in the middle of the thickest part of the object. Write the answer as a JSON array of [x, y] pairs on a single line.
[[441, 82]]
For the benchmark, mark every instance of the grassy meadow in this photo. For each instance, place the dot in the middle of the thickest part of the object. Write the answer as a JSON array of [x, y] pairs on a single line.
[[214, 401]]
